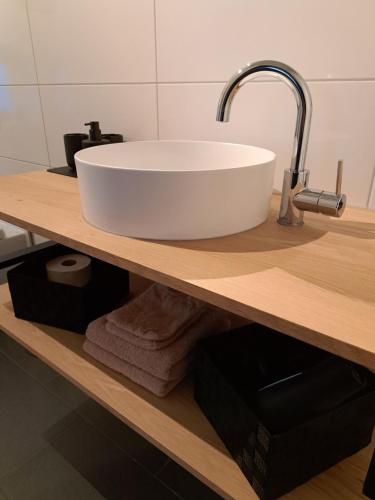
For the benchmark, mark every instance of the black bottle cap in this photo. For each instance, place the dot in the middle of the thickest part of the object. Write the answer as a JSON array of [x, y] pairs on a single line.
[[95, 134]]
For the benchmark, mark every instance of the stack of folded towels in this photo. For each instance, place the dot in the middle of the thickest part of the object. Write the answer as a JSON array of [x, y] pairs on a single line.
[[151, 339]]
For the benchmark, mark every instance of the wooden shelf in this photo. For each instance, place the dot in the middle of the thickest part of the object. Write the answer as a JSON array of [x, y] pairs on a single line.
[[316, 282], [174, 424]]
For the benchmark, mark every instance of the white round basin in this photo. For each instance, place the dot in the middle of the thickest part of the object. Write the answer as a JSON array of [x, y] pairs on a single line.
[[175, 190]]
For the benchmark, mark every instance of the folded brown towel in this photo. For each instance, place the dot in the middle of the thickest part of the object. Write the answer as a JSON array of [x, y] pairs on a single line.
[[157, 386], [155, 345], [147, 344], [97, 334], [158, 314], [169, 363]]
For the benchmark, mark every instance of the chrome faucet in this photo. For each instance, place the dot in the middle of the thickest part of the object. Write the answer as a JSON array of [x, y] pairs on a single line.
[[296, 197]]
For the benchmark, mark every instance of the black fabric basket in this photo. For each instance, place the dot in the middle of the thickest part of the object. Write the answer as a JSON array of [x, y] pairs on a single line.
[[231, 364], [71, 308]]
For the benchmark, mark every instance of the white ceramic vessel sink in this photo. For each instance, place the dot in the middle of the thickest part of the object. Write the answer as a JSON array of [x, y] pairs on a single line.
[[175, 190]]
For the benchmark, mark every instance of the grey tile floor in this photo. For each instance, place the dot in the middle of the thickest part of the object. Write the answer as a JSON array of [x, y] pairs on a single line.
[[58, 444]]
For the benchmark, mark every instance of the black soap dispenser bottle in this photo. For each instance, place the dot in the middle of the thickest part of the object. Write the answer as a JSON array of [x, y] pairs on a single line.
[[95, 136]]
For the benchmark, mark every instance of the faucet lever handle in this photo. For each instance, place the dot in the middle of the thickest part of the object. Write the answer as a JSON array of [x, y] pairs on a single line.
[[333, 204], [340, 168], [323, 202]]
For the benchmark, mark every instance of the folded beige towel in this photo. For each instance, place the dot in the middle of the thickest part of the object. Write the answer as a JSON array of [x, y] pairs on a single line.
[[155, 345], [158, 314], [168, 363], [97, 334], [147, 344], [157, 386]]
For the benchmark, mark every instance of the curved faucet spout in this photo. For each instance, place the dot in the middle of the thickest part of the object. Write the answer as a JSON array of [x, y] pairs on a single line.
[[296, 197], [300, 89]]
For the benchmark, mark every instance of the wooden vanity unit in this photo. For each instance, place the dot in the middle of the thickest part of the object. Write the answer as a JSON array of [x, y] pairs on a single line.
[[315, 283]]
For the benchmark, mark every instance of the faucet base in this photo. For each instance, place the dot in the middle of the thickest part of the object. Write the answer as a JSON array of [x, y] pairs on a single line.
[[286, 222], [294, 182]]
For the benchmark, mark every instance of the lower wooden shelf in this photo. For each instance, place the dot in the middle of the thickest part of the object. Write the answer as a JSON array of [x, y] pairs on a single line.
[[174, 424]]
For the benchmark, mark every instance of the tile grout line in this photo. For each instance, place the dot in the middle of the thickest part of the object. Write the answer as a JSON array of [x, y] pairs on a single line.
[[21, 464], [170, 489], [19, 365], [87, 421], [73, 409], [271, 80], [37, 79], [162, 467], [37, 381], [31, 457], [371, 189], [109, 438], [101, 432], [75, 84], [181, 82], [159, 471], [156, 75], [24, 161]]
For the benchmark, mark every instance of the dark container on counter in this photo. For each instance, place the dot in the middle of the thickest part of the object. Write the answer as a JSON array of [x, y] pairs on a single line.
[[73, 144], [113, 138], [37, 299], [285, 410]]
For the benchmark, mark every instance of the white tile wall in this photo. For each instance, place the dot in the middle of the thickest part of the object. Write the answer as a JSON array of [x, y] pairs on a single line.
[[343, 127], [106, 61], [126, 109], [264, 114], [206, 40], [17, 62], [21, 124], [88, 41]]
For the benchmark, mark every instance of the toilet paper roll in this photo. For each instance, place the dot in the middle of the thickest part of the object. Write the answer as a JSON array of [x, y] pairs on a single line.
[[71, 269]]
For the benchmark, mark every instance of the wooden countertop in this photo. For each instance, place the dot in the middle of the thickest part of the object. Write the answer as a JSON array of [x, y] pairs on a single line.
[[315, 283]]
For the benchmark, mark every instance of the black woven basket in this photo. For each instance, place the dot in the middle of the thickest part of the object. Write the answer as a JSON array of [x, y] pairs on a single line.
[[230, 369], [72, 308]]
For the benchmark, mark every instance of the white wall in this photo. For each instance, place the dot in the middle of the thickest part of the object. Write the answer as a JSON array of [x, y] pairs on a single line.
[[155, 69]]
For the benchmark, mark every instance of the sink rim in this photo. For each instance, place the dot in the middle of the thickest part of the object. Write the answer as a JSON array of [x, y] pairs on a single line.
[[269, 156]]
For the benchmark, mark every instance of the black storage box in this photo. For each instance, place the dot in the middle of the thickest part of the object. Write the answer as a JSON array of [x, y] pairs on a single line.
[[280, 447], [69, 307]]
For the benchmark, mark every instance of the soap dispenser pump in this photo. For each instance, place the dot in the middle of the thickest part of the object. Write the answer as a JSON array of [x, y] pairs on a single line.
[[95, 136]]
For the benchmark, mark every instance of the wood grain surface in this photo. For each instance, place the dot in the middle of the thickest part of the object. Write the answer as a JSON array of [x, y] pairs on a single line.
[[316, 282]]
